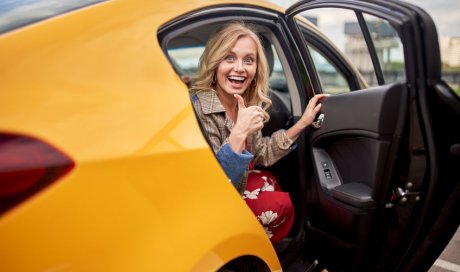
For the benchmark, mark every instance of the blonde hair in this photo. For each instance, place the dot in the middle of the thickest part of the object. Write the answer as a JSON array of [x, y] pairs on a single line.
[[215, 51]]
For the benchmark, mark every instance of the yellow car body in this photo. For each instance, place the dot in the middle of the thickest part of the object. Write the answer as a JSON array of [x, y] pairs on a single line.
[[104, 166], [146, 192]]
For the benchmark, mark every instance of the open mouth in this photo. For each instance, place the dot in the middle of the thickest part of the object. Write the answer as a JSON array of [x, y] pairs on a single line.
[[237, 79]]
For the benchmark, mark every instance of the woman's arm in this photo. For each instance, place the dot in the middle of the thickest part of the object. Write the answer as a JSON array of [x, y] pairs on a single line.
[[233, 163], [268, 150]]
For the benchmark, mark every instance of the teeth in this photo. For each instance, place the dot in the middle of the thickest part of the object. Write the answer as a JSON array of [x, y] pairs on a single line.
[[239, 78]]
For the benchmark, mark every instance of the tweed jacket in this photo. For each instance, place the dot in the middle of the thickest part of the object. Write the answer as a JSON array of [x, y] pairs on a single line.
[[218, 125]]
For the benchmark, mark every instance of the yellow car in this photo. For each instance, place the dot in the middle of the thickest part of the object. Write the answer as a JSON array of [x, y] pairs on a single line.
[[104, 167]]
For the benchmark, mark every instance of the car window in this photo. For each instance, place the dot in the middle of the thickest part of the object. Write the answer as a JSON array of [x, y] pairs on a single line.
[[332, 80], [185, 45], [19, 13], [343, 28], [186, 58], [277, 78], [388, 47], [185, 61]]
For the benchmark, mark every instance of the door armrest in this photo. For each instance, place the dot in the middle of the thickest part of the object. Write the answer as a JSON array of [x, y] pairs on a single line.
[[355, 194]]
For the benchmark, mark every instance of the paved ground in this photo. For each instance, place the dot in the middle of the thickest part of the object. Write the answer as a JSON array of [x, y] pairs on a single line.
[[450, 257]]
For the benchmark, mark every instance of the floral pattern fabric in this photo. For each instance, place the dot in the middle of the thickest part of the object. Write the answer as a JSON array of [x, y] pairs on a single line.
[[273, 208]]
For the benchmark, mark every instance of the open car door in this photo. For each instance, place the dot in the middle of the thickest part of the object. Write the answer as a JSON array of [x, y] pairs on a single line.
[[383, 188]]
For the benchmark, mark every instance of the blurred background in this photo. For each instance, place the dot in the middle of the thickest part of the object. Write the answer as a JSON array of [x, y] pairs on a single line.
[[342, 29]]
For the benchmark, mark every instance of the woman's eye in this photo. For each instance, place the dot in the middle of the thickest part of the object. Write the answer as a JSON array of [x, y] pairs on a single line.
[[229, 58], [249, 60]]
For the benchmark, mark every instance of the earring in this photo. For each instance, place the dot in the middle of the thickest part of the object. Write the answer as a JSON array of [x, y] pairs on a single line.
[[214, 79]]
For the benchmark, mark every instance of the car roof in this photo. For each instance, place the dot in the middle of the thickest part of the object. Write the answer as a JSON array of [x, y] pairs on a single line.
[[21, 13]]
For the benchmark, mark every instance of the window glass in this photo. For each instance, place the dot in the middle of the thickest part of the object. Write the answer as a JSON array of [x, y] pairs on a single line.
[[342, 27], [277, 78], [388, 47], [332, 80], [185, 60]]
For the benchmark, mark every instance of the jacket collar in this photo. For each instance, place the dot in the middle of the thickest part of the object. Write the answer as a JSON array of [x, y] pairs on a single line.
[[210, 103]]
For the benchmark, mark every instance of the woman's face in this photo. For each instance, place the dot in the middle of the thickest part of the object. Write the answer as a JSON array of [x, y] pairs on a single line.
[[236, 72]]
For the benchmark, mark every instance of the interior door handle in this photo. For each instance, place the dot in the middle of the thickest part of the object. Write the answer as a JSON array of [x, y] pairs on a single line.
[[319, 121]]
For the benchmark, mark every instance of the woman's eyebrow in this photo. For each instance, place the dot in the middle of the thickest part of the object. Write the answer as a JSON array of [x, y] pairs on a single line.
[[246, 53]]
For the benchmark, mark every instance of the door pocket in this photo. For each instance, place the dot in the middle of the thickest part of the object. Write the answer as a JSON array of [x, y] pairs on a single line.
[[348, 169]]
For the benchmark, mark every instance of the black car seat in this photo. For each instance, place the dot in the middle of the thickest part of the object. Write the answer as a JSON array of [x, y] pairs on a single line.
[[280, 110]]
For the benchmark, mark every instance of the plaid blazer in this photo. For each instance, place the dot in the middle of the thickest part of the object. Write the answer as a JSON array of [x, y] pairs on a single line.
[[218, 125]]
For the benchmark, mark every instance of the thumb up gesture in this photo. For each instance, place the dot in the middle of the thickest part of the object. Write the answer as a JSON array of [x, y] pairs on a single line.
[[250, 119]]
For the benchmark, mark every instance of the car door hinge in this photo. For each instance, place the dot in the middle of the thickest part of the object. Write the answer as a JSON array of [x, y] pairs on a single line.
[[403, 196]]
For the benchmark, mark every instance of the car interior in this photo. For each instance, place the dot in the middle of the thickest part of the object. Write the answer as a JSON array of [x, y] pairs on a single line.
[[339, 176], [184, 50]]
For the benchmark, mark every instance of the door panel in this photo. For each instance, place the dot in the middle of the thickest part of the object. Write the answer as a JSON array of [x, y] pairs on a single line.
[[377, 156], [351, 146], [350, 152], [371, 111]]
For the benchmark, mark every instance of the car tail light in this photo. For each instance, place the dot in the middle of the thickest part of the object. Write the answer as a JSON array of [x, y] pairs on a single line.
[[27, 165]]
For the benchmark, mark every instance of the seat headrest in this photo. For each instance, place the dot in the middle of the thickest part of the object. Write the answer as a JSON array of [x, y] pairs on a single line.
[[267, 45]]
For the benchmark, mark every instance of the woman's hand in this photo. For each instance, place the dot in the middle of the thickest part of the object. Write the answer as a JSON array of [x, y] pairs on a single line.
[[250, 120], [312, 110], [307, 118]]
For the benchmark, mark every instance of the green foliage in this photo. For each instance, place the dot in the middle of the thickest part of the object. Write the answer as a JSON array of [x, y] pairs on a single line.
[[456, 90], [446, 68], [394, 66]]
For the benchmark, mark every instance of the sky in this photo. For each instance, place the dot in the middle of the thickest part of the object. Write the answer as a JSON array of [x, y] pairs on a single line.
[[445, 14]]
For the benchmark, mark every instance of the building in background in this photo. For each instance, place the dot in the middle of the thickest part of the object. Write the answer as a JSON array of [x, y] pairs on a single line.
[[450, 51], [385, 42]]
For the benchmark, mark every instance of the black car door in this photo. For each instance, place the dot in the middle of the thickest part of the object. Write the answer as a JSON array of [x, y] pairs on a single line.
[[384, 181]]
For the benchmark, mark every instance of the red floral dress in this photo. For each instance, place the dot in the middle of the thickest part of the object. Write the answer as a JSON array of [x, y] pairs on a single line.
[[273, 208]]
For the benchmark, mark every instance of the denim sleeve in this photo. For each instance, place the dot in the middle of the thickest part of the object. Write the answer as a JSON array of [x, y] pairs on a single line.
[[234, 164]]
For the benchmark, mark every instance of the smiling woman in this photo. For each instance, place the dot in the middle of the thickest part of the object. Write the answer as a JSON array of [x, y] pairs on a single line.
[[229, 93], [230, 96], [18, 13]]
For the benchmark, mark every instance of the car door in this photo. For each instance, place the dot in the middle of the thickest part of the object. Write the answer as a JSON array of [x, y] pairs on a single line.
[[381, 163]]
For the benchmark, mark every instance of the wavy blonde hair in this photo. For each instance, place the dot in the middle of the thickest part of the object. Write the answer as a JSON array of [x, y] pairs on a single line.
[[214, 53]]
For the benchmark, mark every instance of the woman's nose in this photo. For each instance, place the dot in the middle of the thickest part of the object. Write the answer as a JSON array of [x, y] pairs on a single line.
[[238, 66]]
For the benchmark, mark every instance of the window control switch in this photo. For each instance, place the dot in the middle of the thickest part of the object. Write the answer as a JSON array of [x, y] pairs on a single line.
[[327, 173]]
